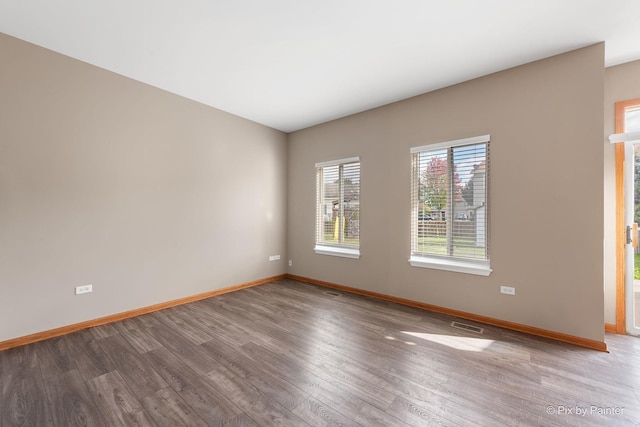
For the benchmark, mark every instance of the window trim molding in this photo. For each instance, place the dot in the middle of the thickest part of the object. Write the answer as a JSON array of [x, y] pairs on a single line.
[[446, 263], [621, 309], [339, 251], [337, 162], [480, 268], [454, 143], [342, 251]]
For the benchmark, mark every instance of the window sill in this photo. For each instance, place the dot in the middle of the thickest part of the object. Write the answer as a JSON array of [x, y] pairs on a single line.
[[480, 268], [337, 251]]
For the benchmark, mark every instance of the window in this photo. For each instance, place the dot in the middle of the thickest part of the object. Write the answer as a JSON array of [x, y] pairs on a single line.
[[338, 208], [632, 119], [450, 206]]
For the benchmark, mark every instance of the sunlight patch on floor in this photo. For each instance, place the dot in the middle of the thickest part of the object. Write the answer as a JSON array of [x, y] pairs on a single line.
[[452, 341]]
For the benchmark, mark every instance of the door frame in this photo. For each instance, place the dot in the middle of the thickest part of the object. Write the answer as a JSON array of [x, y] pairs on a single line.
[[621, 313]]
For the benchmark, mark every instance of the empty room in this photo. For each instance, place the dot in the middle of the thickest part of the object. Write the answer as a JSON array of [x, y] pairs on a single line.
[[358, 213]]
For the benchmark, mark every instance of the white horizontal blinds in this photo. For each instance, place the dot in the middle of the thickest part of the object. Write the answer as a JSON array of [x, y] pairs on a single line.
[[321, 209], [338, 206], [417, 207], [450, 201], [351, 206], [330, 198], [432, 197], [470, 205]]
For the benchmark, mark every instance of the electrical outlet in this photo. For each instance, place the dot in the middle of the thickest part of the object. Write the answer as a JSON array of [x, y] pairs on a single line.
[[507, 290], [290, 263], [84, 289]]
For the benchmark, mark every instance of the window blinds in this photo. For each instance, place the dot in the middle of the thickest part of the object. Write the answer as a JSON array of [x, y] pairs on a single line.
[[338, 203], [449, 199]]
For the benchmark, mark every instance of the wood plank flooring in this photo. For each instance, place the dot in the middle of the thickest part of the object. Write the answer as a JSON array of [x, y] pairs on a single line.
[[292, 354]]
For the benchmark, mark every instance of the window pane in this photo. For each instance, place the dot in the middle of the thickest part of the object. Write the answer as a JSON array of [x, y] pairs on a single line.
[[351, 182], [329, 203], [338, 205], [632, 120], [469, 209], [433, 202], [449, 202]]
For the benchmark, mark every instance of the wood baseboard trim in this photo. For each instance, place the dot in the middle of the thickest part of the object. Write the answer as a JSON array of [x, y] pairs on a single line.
[[531, 330], [40, 336], [610, 327]]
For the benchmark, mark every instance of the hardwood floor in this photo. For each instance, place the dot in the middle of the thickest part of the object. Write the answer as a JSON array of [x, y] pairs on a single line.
[[294, 354]]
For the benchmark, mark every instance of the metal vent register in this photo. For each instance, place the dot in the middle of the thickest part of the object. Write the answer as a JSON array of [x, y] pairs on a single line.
[[466, 327], [332, 293]]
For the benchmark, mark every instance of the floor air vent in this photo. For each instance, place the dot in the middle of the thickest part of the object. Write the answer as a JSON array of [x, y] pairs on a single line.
[[466, 327], [332, 293]]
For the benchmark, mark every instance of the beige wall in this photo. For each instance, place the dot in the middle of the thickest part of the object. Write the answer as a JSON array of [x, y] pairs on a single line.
[[622, 83], [546, 126], [146, 195], [108, 181]]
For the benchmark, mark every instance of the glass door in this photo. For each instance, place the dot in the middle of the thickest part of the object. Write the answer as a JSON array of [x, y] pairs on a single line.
[[632, 218]]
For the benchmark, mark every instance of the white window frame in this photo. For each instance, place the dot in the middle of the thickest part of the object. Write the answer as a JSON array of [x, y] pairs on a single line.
[[322, 248], [447, 263]]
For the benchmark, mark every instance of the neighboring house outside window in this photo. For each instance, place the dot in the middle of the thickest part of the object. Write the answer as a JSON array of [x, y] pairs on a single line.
[[338, 208], [450, 206]]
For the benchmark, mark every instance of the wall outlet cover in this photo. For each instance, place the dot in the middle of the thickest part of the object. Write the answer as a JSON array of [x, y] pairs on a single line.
[[84, 289], [507, 290]]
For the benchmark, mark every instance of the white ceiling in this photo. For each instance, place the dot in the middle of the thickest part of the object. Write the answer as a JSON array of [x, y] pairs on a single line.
[[290, 64]]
